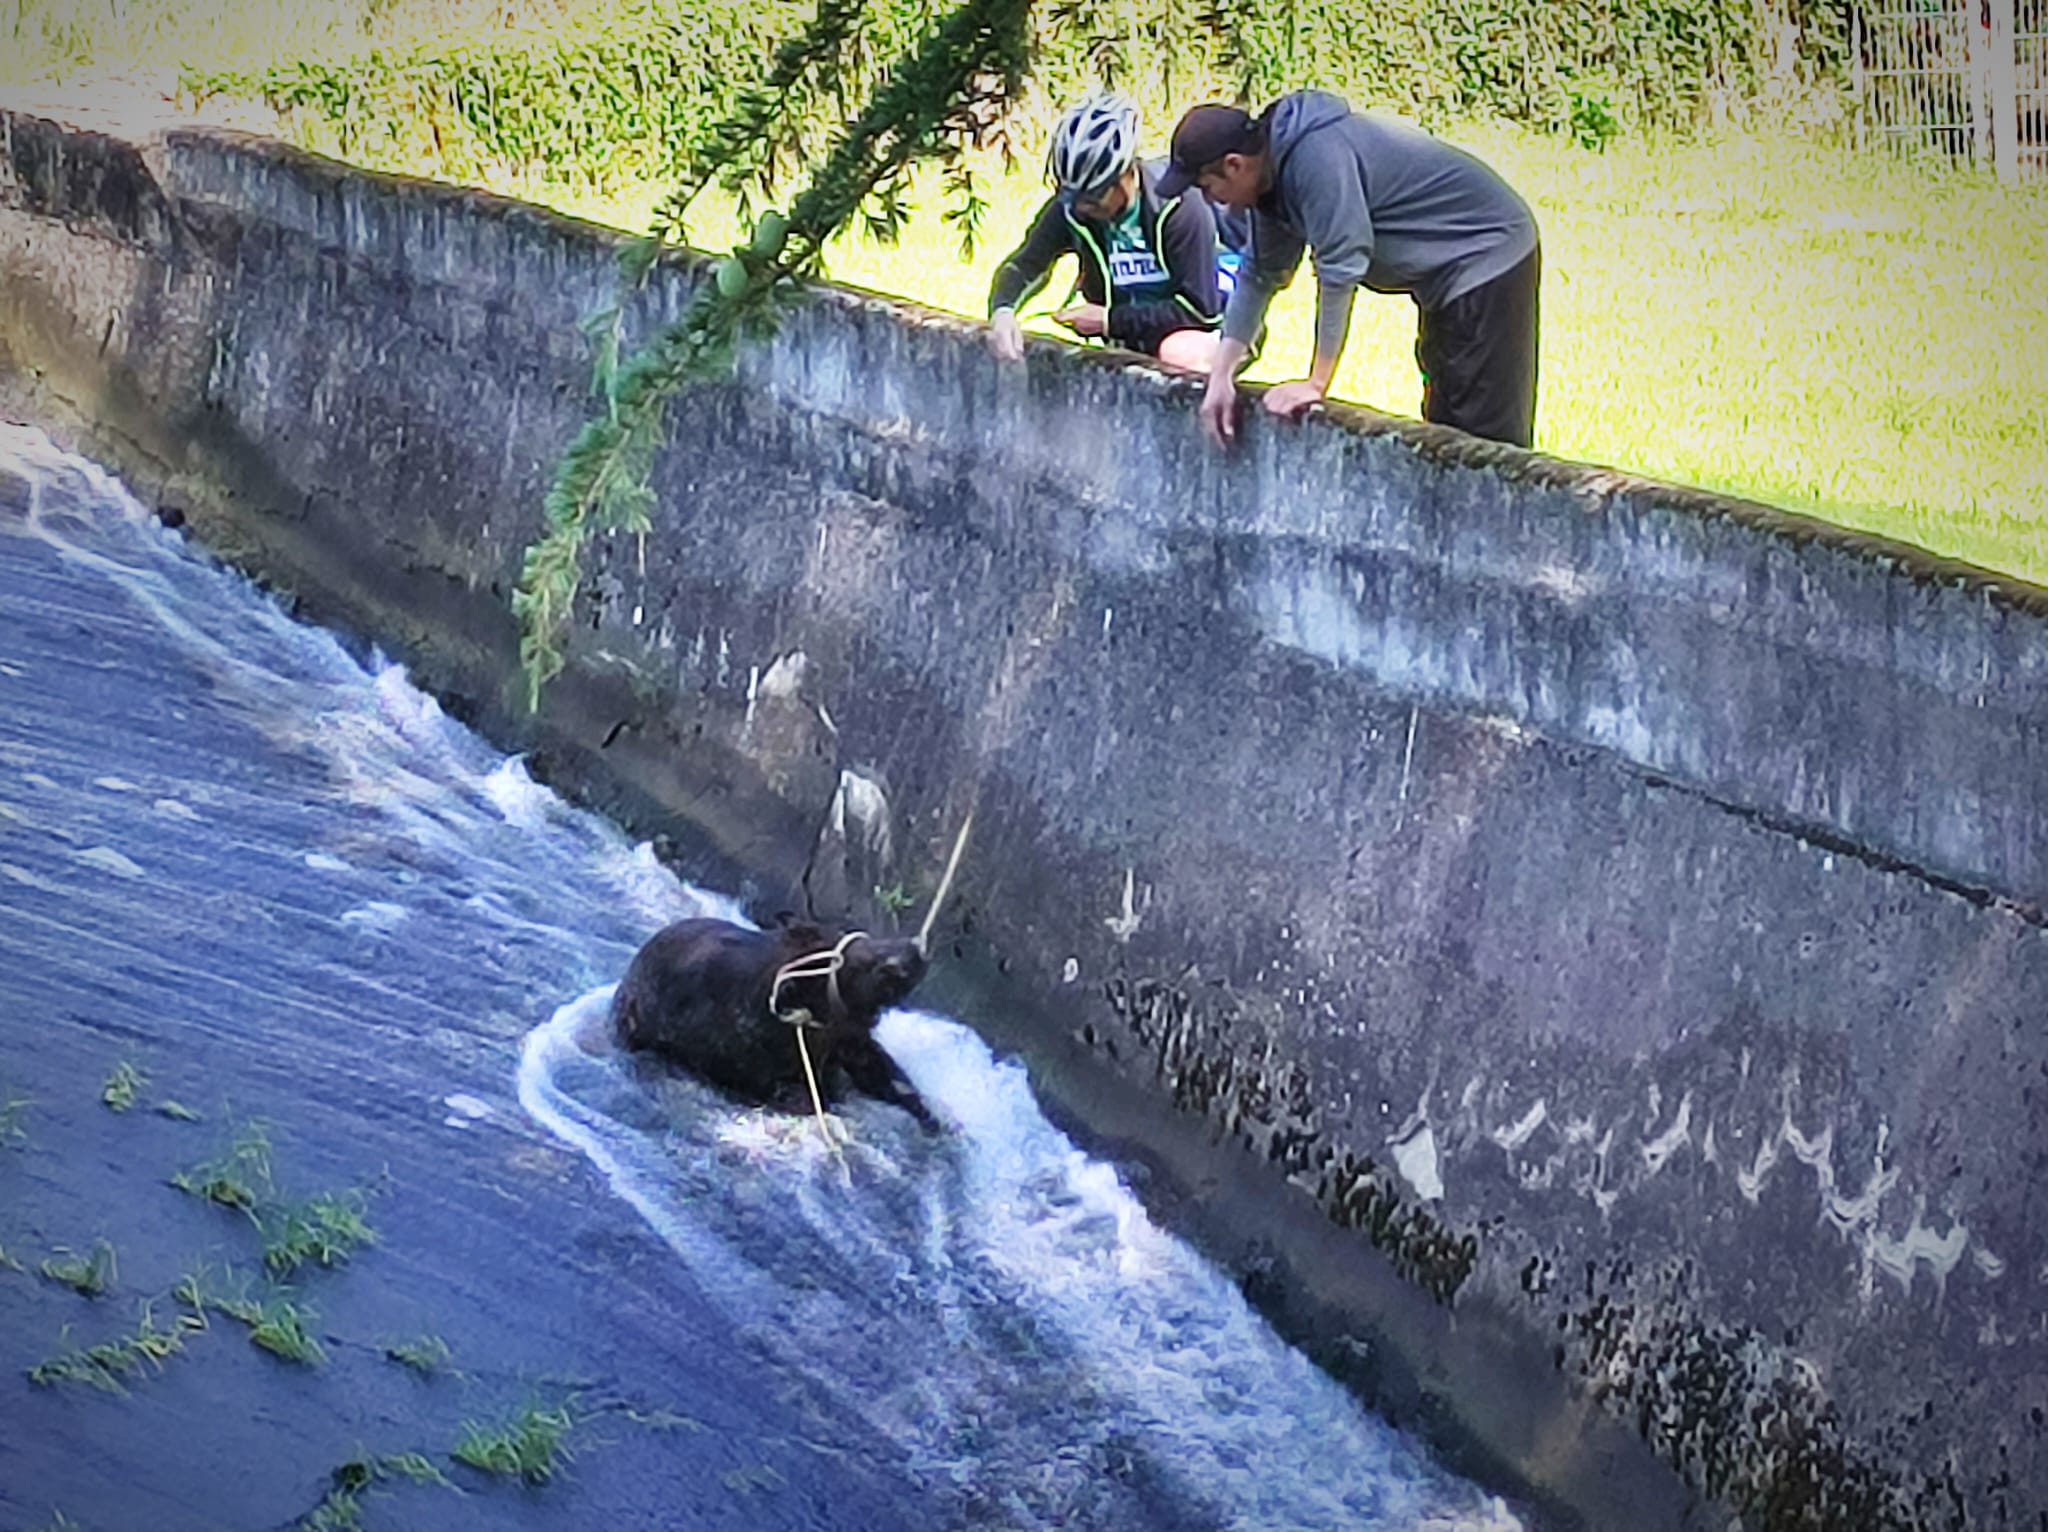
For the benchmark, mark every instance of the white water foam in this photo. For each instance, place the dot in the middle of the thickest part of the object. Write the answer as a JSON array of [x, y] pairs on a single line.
[[998, 1302]]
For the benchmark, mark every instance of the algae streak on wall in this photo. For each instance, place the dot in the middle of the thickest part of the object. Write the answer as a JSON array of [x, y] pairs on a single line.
[[1617, 908]]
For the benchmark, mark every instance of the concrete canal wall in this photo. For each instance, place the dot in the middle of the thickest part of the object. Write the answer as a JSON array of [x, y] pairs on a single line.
[[1572, 945]]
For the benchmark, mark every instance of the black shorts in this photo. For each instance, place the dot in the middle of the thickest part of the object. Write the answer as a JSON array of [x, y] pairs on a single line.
[[1478, 357]]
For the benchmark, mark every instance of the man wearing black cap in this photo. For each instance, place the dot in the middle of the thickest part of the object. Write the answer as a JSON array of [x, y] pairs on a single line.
[[1381, 204]]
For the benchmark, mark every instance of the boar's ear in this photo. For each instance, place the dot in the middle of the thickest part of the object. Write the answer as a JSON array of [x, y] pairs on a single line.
[[802, 927], [801, 931]]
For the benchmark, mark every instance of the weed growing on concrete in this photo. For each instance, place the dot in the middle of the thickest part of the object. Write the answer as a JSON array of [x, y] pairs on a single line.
[[340, 1510], [88, 1275], [240, 1308], [196, 1291], [8, 1262], [107, 1365], [528, 1445], [285, 1329], [414, 1466], [13, 1119], [658, 1419], [325, 1230], [277, 1324], [177, 1111], [190, 1290], [756, 1476], [59, 1522], [237, 1178], [426, 1356], [123, 1086]]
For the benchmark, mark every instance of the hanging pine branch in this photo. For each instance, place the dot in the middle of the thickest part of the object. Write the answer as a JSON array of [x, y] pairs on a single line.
[[768, 129], [946, 97]]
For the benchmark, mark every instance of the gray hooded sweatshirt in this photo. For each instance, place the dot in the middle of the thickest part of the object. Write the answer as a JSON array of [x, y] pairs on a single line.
[[1380, 204]]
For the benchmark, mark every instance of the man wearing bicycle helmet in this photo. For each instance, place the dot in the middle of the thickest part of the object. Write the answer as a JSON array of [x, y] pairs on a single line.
[[1152, 270]]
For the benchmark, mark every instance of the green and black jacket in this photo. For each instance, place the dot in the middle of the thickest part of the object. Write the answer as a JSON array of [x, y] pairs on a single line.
[[1183, 234]]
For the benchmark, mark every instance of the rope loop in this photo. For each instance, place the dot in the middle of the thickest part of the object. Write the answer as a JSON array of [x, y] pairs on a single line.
[[823, 964]]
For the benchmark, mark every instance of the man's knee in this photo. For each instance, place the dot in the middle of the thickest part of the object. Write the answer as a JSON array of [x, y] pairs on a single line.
[[1189, 350]]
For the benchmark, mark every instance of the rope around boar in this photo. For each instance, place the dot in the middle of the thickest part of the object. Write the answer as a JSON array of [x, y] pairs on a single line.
[[813, 965], [826, 965]]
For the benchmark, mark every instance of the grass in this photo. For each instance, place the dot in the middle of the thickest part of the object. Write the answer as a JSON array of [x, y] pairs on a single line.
[[88, 1275], [340, 1509], [285, 1329], [177, 1111], [427, 1355], [277, 1323], [108, 1365], [123, 1086], [14, 1120], [190, 1290], [238, 1177], [63, 40], [527, 1445], [414, 1466], [752, 1479], [196, 1291], [324, 1230]]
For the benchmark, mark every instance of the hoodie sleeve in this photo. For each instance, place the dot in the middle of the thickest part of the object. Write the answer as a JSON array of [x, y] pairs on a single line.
[[1023, 270], [1275, 257], [1190, 259]]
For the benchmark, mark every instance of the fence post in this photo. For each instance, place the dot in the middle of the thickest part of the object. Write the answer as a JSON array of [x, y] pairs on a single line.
[[1859, 85], [2004, 86], [1978, 13]]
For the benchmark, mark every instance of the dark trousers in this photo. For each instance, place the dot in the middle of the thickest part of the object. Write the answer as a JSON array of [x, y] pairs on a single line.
[[1478, 357]]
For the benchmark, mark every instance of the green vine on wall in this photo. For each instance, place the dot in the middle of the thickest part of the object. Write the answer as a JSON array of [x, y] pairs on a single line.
[[946, 97]]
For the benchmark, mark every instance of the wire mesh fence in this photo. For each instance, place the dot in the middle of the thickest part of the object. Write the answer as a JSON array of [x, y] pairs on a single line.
[[1915, 77], [2030, 87], [1955, 80]]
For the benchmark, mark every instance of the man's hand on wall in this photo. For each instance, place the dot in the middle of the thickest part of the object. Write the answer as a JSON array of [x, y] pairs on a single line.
[[1219, 408], [1006, 336], [1293, 400]]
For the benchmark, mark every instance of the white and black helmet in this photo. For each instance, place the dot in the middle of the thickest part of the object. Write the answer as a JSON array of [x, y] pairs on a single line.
[[1094, 144]]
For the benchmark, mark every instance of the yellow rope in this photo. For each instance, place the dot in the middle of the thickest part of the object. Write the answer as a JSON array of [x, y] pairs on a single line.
[[931, 915], [814, 965], [817, 1101]]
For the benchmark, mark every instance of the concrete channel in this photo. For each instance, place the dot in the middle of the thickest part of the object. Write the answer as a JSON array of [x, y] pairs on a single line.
[[1569, 945]]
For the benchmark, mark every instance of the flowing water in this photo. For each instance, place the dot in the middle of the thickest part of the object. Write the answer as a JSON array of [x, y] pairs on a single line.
[[288, 820]]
